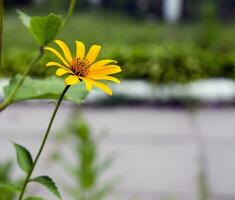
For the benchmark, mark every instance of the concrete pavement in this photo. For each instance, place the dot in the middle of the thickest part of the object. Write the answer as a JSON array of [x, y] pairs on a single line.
[[157, 150]]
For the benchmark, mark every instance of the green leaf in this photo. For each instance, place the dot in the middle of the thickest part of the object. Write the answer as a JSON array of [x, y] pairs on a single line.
[[24, 158], [24, 18], [34, 198], [45, 29], [48, 183], [49, 88]]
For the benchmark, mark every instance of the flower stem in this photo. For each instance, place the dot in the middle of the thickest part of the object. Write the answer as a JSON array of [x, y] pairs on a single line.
[[8, 99], [1, 29], [70, 12], [27, 179]]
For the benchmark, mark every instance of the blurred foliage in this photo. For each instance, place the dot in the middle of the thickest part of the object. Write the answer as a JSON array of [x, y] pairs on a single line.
[[155, 52], [209, 33], [49, 88], [86, 150], [87, 170], [6, 192]]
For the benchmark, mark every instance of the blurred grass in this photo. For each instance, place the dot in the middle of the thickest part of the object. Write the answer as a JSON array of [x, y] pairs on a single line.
[[109, 29], [148, 50]]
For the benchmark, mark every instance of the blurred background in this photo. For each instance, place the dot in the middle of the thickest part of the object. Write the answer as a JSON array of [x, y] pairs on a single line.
[[167, 133]]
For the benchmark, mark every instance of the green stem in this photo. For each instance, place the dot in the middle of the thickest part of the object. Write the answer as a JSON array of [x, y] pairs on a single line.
[[1, 29], [70, 12], [9, 98], [27, 179]]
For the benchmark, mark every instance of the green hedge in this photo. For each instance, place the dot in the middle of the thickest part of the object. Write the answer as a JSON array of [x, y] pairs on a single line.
[[156, 63], [175, 63]]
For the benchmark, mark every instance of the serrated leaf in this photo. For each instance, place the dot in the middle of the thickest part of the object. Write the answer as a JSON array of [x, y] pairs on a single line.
[[45, 28], [24, 158], [48, 183], [24, 18], [34, 198], [48, 88]]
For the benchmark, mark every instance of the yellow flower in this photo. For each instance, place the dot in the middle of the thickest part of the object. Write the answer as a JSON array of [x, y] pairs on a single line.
[[83, 68]]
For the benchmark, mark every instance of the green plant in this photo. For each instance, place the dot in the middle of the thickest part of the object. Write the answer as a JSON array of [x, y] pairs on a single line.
[[87, 170], [79, 67], [43, 29], [7, 189]]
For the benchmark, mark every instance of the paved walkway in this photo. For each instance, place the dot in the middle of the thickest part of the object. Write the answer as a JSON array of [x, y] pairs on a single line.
[[158, 151]]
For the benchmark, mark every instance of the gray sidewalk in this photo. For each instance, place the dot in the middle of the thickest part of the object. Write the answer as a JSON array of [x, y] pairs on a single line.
[[156, 150]]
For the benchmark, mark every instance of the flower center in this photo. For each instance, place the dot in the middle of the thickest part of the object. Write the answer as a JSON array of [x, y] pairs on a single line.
[[80, 67]]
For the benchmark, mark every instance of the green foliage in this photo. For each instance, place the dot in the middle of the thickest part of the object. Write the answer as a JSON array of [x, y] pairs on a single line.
[[5, 192], [49, 88], [48, 183], [24, 158], [168, 63], [87, 155], [209, 32], [15, 61], [153, 52], [88, 169], [7, 188], [8, 191], [5, 170], [157, 63], [34, 198], [44, 29]]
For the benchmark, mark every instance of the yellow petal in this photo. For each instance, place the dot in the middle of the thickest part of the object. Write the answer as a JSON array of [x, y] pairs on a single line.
[[71, 80], [106, 70], [93, 53], [88, 83], [102, 77], [62, 71], [58, 55], [101, 63], [65, 50], [101, 68], [103, 87], [80, 49], [49, 64]]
